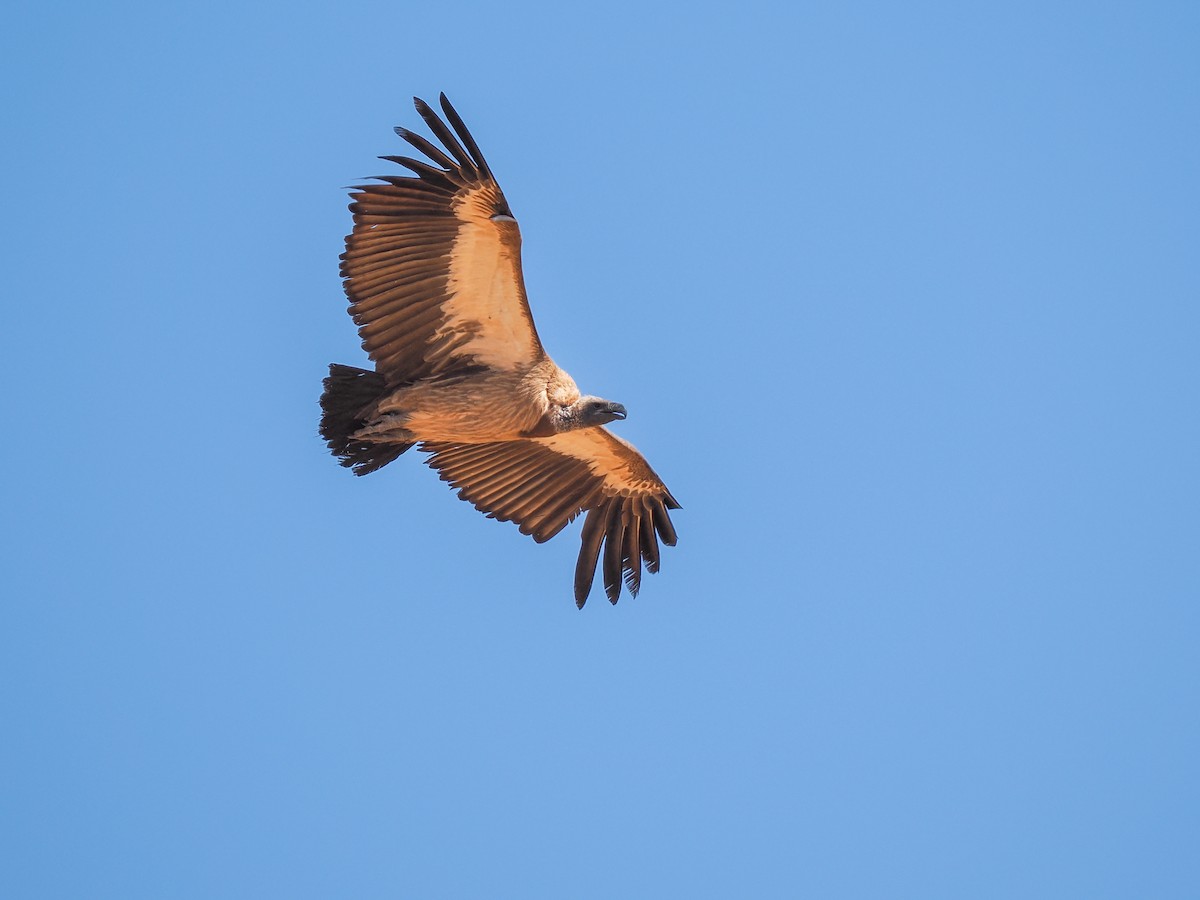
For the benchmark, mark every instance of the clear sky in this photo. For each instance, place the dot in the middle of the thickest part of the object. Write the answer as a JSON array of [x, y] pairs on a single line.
[[904, 302]]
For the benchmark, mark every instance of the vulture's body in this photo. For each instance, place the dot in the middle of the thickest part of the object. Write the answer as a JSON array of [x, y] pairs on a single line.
[[433, 273]]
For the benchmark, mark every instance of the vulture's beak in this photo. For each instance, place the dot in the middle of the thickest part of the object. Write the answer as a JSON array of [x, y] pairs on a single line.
[[616, 410]]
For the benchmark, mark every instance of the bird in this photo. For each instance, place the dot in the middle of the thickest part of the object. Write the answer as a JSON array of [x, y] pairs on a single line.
[[432, 270]]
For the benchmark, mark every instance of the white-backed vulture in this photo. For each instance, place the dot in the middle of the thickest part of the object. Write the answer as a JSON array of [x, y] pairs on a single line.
[[432, 270]]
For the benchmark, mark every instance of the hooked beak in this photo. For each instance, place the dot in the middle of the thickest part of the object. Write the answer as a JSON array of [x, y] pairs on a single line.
[[616, 410]]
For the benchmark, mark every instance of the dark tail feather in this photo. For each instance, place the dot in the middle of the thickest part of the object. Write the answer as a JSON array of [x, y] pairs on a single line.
[[348, 391]]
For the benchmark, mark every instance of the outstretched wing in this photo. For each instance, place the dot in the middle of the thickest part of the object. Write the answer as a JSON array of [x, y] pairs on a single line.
[[433, 266], [543, 483]]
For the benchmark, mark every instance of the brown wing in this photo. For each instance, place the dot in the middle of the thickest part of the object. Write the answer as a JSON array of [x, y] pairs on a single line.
[[433, 266], [543, 483]]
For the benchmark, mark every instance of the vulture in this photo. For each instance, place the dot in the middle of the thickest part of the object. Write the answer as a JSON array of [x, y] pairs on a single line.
[[432, 271]]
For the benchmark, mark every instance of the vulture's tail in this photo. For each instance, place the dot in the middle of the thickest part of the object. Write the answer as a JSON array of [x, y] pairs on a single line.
[[348, 391]]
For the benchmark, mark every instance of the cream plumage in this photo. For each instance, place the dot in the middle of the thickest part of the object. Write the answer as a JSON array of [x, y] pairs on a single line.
[[433, 273]]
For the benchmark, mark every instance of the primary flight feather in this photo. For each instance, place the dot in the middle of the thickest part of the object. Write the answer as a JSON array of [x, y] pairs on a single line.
[[432, 270]]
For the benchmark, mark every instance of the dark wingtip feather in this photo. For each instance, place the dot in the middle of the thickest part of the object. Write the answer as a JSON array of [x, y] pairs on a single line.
[[589, 552], [633, 552], [614, 547], [465, 134], [426, 147], [662, 524], [649, 543], [427, 173], [446, 136]]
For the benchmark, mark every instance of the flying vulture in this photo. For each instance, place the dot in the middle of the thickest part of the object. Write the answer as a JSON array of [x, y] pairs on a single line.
[[432, 270]]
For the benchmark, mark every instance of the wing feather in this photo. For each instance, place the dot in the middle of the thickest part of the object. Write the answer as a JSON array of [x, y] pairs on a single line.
[[595, 529], [542, 484], [614, 547], [451, 179], [424, 146], [461, 129], [632, 557], [434, 282], [449, 141], [648, 540]]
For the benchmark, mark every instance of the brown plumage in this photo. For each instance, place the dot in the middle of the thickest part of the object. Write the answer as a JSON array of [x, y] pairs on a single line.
[[433, 273]]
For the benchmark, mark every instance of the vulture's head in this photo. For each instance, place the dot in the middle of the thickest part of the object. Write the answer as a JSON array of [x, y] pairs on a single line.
[[601, 412], [591, 411]]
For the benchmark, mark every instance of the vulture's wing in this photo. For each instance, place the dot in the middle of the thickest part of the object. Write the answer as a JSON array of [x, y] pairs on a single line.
[[543, 483], [433, 266]]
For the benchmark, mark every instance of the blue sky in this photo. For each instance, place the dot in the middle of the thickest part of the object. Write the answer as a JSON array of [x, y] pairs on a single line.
[[902, 300]]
